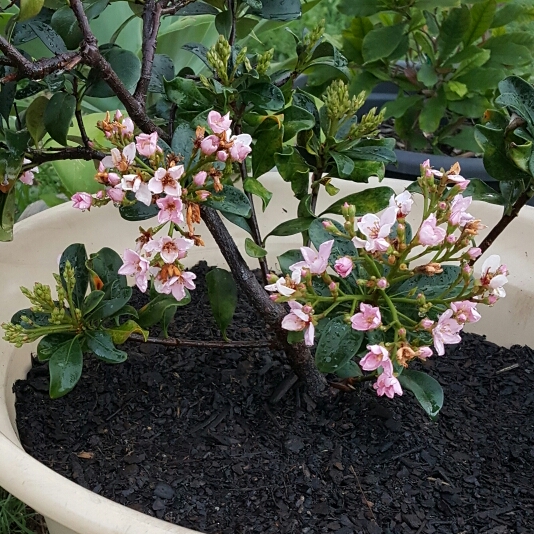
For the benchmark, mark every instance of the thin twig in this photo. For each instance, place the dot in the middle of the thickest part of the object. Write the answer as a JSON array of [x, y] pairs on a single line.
[[78, 115], [174, 342], [171, 10], [151, 22], [367, 503]]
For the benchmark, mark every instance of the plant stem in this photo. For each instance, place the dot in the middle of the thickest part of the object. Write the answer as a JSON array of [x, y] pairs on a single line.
[[174, 342], [298, 354], [316, 176]]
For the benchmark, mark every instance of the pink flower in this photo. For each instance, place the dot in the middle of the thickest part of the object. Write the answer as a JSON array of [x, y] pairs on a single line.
[[117, 116], [377, 357], [120, 160], [133, 182], [402, 202], [167, 181], [465, 311], [147, 144], [317, 263], [202, 194], [82, 201], [200, 178], [222, 155], [376, 230], [429, 233], [300, 318], [219, 123], [280, 287], [343, 266], [474, 253], [494, 276], [170, 209], [458, 215], [446, 332], [116, 194], [127, 127], [209, 145], [113, 178], [368, 318], [135, 265], [240, 148], [176, 285], [387, 385], [426, 323], [424, 352], [170, 249]]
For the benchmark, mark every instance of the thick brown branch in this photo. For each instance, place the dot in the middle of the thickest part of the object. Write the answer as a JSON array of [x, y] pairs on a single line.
[[34, 70], [298, 354], [91, 56], [503, 223], [151, 22], [43, 156], [174, 342]]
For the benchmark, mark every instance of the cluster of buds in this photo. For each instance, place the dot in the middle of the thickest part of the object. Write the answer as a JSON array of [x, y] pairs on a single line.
[[218, 56], [337, 102], [264, 61], [139, 167], [445, 232], [368, 125]]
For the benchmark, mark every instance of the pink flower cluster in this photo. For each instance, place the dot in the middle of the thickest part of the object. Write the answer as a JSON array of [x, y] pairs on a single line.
[[378, 359]]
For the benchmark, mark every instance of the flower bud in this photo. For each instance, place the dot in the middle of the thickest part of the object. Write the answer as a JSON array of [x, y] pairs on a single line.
[[474, 253]]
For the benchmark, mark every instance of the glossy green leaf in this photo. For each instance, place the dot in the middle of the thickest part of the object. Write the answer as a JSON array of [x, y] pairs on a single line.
[[120, 334], [518, 96], [455, 25], [222, 294], [91, 301], [253, 250], [116, 297], [58, 115], [65, 367], [434, 109], [183, 140], [238, 221], [289, 258], [397, 108], [162, 69], [349, 370], [481, 18], [291, 227], [100, 343], [480, 190], [230, 200], [35, 118], [36, 318], [7, 215], [49, 344], [223, 23], [77, 256], [185, 94], [268, 143], [253, 186], [433, 286], [344, 165], [137, 211], [126, 66], [264, 96], [153, 312], [29, 9], [426, 389], [370, 200], [382, 42], [338, 344], [105, 264], [280, 9], [427, 75], [293, 169], [296, 119], [48, 37], [382, 154]]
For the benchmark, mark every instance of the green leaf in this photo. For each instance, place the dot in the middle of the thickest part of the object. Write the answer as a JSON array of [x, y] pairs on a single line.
[[293, 169], [185, 94], [153, 312], [344, 165], [452, 30], [37, 318], [296, 120], [119, 334], [48, 37], [434, 109], [101, 344], [253, 186], [238, 221], [382, 42], [65, 367], [350, 369], [222, 293], [77, 256], [268, 143], [360, 8], [35, 118], [289, 258], [426, 389], [91, 301], [7, 214], [116, 296], [253, 250], [29, 9], [382, 154], [230, 200], [58, 115], [427, 75], [338, 344], [341, 247], [518, 96], [183, 140], [291, 227], [137, 211], [105, 264], [480, 190], [264, 96], [126, 66], [433, 286], [370, 200], [223, 23], [162, 69], [280, 9], [49, 344], [397, 108], [481, 18]]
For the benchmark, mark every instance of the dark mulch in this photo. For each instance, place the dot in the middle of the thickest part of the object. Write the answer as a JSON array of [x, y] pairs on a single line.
[[190, 436]]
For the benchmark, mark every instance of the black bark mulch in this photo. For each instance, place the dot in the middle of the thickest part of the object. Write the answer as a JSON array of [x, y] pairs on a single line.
[[191, 437]]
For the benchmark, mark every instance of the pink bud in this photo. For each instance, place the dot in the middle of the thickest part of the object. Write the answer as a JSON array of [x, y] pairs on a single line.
[[467, 269], [343, 266], [442, 205], [114, 179], [492, 299], [426, 323], [402, 332], [474, 253], [118, 115], [116, 194], [222, 155], [82, 201], [382, 283], [332, 286], [451, 239], [209, 145], [307, 309], [200, 178]]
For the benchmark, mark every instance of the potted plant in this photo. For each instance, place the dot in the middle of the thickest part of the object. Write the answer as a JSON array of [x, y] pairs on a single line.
[[445, 60], [193, 175]]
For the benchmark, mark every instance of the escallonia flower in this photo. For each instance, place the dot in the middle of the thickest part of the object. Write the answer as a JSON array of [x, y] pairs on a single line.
[[82, 201], [147, 144], [300, 319], [446, 331], [494, 276], [430, 234], [315, 262], [368, 318], [120, 160], [167, 181], [376, 230], [135, 265], [170, 209]]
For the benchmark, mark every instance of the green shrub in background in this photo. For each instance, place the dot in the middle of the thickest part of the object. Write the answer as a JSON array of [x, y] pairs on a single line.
[[445, 56]]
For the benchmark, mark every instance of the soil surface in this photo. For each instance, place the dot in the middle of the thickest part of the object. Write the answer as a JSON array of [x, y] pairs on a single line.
[[192, 437]]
